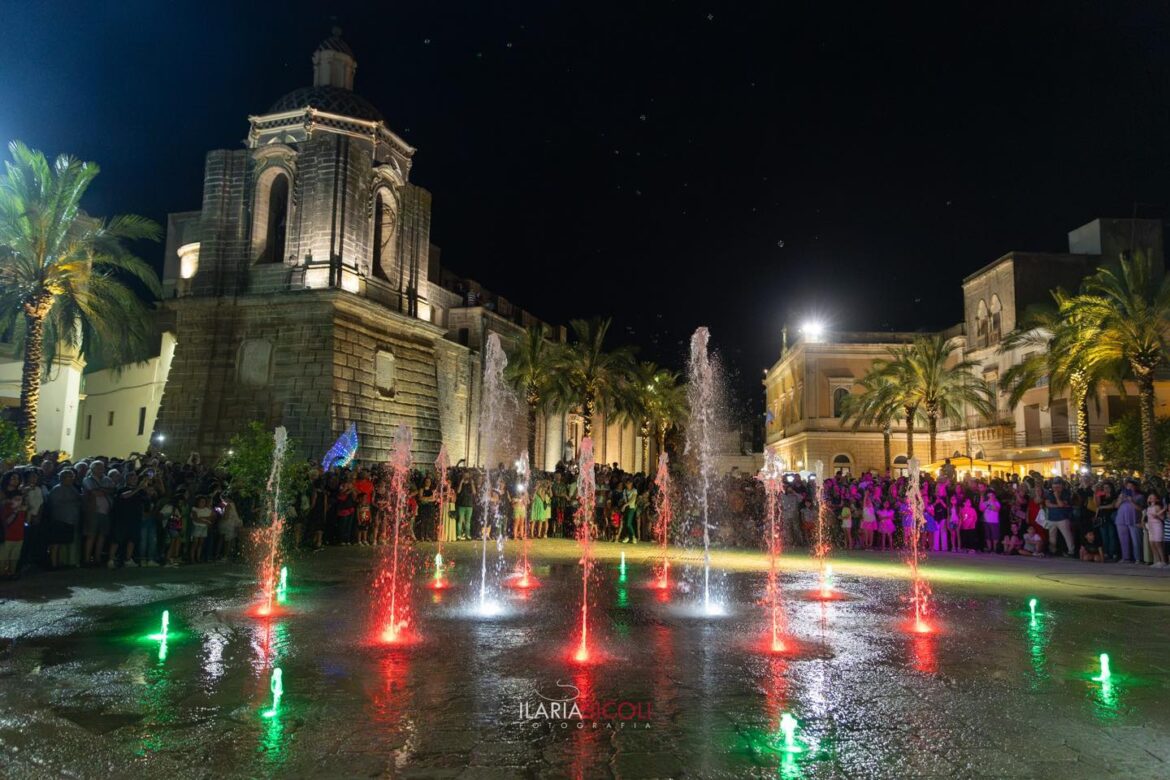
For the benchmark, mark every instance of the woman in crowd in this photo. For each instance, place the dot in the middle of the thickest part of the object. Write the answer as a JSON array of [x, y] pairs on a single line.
[[1155, 523]]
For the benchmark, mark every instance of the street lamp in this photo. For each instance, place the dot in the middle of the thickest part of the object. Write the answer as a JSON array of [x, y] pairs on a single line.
[[813, 330]]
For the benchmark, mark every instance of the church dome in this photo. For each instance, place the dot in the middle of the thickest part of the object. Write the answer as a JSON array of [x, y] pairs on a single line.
[[332, 90], [335, 100]]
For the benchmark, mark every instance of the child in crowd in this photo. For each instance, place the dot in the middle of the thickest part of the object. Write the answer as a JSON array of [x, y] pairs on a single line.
[[364, 519], [229, 530], [1091, 548], [1033, 543], [868, 522], [1013, 542], [953, 523], [886, 525], [201, 515], [847, 524], [930, 526], [174, 513], [12, 512]]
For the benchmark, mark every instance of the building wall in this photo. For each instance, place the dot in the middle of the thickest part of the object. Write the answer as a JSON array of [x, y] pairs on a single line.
[[122, 394], [60, 396]]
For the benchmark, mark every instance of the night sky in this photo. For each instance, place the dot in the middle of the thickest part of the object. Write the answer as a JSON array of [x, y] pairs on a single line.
[[672, 164]]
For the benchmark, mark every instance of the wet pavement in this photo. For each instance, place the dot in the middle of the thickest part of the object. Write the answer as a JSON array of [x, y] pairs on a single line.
[[86, 692]]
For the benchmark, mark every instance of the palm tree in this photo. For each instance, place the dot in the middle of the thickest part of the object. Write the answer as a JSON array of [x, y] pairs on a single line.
[[1128, 307], [878, 404], [1055, 333], [588, 376], [66, 278], [922, 376], [658, 403], [532, 364]]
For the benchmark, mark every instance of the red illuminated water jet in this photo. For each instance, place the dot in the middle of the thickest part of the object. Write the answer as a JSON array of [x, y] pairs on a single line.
[[268, 537], [586, 484], [823, 545], [662, 524], [391, 602], [772, 477]]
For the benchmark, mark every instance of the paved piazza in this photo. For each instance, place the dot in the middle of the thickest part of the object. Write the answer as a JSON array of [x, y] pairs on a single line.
[[993, 693]]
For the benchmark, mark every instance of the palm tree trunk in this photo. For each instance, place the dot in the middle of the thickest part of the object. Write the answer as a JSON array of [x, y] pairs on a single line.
[[910, 412], [532, 436], [932, 423], [1084, 454], [645, 446], [587, 410], [886, 446], [30, 379], [1145, 383], [661, 438]]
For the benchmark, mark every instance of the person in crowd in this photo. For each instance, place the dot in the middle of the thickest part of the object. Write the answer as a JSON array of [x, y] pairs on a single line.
[[201, 518], [346, 503], [968, 520], [886, 525], [98, 498], [845, 513], [230, 524], [989, 505], [1104, 520], [954, 524], [1091, 548], [63, 508], [1155, 525], [1013, 542], [629, 509], [1128, 521], [465, 495], [869, 521], [12, 516], [1059, 514]]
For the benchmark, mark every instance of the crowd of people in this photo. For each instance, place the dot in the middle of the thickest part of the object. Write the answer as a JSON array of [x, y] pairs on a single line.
[[1090, 517], [147, 510]]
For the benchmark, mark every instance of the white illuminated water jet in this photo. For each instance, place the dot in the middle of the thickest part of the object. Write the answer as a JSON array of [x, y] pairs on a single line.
[[701, 396]]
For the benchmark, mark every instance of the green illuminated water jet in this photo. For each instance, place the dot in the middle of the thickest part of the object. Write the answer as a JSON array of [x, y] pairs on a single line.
[[282, 586], [622, 568], [1105, 675], [161, 636], [788, 726], [277, 686]]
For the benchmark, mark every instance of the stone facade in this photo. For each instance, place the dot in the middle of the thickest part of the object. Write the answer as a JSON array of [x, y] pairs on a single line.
[[305, 292]]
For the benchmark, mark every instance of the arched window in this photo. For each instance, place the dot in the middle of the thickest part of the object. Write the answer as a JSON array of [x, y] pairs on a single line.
[[839, 396], [981, 324], [901, 466], [993, 328], [385, 221], [270, 218], [843, 465]]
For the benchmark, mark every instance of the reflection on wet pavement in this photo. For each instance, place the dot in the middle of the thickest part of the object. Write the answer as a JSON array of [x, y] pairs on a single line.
[[91, 690]]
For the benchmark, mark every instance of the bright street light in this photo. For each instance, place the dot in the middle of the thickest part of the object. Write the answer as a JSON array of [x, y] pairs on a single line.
[[813, 330]]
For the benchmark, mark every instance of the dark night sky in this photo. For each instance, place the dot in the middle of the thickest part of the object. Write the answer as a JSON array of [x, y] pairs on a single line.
[[738, 165]]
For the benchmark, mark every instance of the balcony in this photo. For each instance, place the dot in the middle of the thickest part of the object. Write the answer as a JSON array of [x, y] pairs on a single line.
[[1048, 437]]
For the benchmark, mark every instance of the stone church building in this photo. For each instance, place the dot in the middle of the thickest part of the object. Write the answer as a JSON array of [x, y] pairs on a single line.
[[305, 292]]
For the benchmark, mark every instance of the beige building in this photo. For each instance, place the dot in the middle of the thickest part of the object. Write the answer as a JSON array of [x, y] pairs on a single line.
[[804, 388]]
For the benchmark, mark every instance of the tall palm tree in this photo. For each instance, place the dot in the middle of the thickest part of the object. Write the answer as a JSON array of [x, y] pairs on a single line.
[[66, 278], [532, 365], [922, 376], [1128, 306], [1055, 334], [658, 402], [878, 404], [589, 377]]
